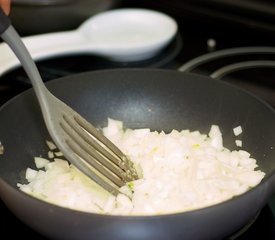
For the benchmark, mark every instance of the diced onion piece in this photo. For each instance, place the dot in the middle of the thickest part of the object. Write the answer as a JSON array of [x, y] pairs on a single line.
[[239, 143], [216, 137], [30, 174], [50, 154], [237, 130], [40, 162], [114, 127], [51, 145], [58, 154]]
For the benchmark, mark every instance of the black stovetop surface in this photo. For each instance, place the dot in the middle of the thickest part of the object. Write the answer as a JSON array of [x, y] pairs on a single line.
[[197, 34]]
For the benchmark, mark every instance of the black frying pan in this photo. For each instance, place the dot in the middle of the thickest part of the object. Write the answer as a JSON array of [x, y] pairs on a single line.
[[161, 100]]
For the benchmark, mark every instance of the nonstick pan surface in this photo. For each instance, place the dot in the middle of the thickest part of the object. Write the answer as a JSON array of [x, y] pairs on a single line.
[[161, 100]]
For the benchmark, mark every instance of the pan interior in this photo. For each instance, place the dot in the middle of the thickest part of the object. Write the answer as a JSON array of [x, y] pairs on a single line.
[[158, 99]]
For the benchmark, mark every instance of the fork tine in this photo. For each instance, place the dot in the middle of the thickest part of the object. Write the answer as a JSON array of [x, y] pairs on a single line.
[[91, 139], [123, 161], [80, 150], [88, 133], [92, 158], [94, 131], [101, 172], [91, 173], [75, 152], [88, 145]]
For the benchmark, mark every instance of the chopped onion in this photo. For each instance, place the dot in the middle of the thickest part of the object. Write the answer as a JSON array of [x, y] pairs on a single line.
[[40, 162], [237, 130], [182, 170], [51, 145], [239, 143]]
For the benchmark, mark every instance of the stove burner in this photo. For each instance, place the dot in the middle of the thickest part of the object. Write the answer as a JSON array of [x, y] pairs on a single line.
[[250, 68], [203, 59], [221, 72]]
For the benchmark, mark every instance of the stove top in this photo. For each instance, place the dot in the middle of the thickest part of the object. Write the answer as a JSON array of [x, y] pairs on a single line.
[[243, 54]]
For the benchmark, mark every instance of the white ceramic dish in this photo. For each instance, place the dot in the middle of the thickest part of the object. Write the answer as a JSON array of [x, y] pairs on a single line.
[[121, 35]]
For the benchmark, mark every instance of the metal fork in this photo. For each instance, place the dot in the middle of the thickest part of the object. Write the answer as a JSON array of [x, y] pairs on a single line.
[[81, 143]]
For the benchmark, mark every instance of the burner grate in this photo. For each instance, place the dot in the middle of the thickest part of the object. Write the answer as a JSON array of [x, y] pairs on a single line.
[[251, 68]]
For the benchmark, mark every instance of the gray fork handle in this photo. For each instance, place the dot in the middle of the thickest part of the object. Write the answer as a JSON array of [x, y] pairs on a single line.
[[11, 37]]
